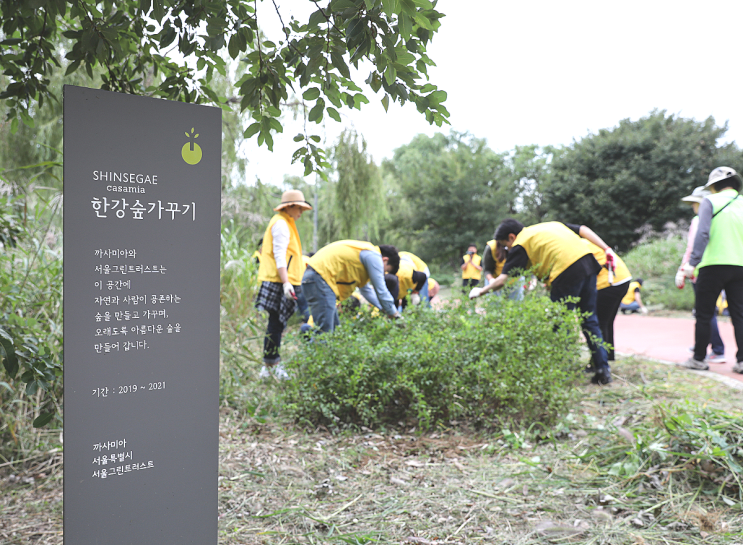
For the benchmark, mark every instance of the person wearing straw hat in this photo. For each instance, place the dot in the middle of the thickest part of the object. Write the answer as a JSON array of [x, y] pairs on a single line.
[[280, 274], [718, 255], [695, 199]]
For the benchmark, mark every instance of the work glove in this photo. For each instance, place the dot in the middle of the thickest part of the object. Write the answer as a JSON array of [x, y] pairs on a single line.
[[415, 299], [289, 291], [610, 259], [688, 270], [680, 278], [475, 292]]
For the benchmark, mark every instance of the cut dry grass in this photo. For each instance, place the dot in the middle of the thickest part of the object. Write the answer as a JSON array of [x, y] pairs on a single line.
[[278, 484]]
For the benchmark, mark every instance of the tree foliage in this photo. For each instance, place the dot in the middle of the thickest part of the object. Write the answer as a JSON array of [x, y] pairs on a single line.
[[447, 192], [172, 49], [357, 195], [530, 171], [620, 179]]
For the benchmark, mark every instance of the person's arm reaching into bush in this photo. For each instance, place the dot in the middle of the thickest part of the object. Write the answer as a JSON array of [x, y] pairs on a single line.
[[374, 265], [517, 259], [589, 234]]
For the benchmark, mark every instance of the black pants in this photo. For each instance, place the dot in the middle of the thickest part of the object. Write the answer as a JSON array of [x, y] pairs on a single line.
[[272, 340], [607, 306], [711, 281], [469, 283]]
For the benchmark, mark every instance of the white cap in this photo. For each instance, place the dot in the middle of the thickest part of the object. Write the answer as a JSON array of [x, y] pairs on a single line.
[[697, 195]]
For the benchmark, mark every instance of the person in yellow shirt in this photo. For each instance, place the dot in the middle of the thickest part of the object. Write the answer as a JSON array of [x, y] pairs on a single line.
[[280, 274], [420, 266], [566, 264], [336, 270], [493, 258], [611, 285], [257, 254], [632, 300], [471, 268]]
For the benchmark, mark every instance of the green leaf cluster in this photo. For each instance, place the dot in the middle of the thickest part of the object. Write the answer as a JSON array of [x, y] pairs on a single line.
[[139, 46], [506, 362]]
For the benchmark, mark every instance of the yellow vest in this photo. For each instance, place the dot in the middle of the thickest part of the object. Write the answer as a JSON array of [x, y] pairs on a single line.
[[630, 295], [470, 271], [418, 264], [268, 272], [339, 265], [621, 272], [552, 247], [405, 275], [256, 255], [498, 264]]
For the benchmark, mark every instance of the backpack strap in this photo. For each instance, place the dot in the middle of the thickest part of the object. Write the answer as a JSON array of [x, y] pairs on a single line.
[[726, 205]]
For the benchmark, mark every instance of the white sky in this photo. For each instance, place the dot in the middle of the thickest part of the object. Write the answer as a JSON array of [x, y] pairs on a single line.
[[545, 72]]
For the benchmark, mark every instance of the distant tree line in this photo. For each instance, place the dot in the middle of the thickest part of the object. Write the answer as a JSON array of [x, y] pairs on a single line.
[[445, 192]]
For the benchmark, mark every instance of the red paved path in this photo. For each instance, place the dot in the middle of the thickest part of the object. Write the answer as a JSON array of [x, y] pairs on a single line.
[[668, 339]]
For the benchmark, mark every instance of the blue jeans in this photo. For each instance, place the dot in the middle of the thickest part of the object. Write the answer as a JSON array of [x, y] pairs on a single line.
[[321, 299], [424, 294], [585, 291], [302, 305], [718, 347], [634, 306]]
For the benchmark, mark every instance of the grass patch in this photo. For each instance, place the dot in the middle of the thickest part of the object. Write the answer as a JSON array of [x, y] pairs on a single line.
[[280, 484]]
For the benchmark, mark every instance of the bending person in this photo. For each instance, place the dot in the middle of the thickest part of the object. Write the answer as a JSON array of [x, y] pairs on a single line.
[[610, 289], [493, 258], [336, 270], [420, 266], [562, 260]]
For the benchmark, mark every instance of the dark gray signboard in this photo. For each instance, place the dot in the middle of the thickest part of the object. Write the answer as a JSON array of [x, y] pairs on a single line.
[[141, 319]]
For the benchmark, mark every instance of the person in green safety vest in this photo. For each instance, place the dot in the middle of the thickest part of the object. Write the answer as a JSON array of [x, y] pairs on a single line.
[[718, 256]]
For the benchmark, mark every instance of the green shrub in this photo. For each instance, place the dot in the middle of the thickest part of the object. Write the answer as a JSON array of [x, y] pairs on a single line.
[[507, 361], [656, 262], [657, 258]]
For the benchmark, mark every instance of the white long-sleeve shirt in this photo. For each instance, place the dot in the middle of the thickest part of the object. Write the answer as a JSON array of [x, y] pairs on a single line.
[[280, 234]]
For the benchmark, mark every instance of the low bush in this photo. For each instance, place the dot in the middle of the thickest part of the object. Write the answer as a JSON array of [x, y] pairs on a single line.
[[494, 362], [656, 262]]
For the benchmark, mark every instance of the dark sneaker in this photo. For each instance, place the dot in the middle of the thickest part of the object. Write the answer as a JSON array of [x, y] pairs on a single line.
[[602, 376], [696, 365]]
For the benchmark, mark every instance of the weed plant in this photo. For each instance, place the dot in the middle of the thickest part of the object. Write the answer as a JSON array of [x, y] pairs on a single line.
[[30, 326], [699, 447], [492, 362], [242, 327]]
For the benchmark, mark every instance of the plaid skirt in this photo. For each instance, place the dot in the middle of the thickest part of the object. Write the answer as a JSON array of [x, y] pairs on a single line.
[[271, 298]]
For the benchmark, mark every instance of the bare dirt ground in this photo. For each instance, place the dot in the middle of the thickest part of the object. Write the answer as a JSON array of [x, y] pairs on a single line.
[[280, 484]]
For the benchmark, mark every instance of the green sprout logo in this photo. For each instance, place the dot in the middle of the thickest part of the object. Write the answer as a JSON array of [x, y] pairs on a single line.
[[191, 151]]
